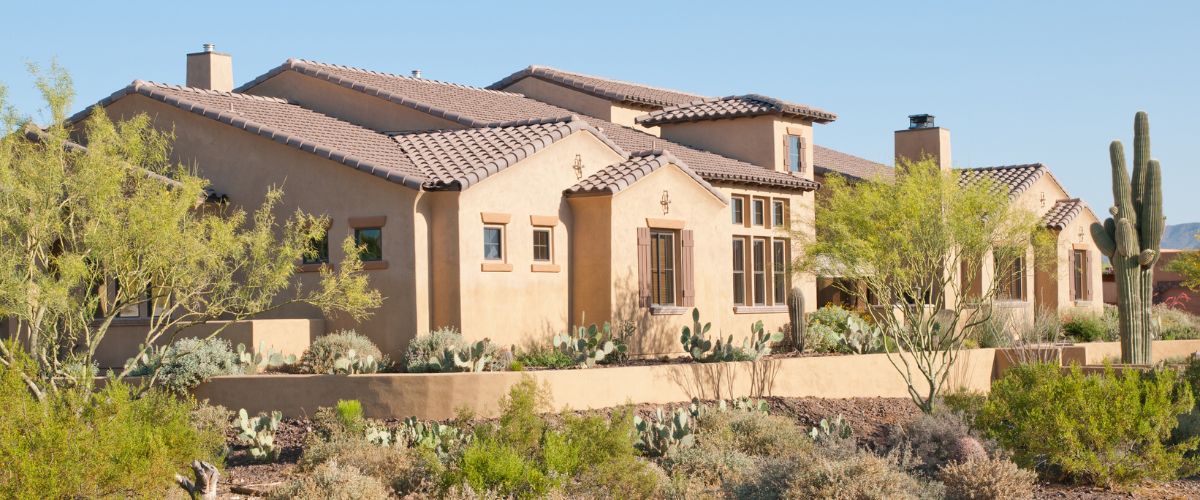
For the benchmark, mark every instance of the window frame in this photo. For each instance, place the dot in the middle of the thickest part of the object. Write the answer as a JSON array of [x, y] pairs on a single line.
[[758, 269], [549, 246], [779, 213], [758, 212], [739, 271], [1015, 273], [322, 245], [779, 270], [1079, 274], [657, 271], [502, 253], [737, 207], [795, 161], [358, 242]]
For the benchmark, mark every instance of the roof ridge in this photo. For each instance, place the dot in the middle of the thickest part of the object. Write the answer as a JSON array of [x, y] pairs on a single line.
[[534, 67], [298, 61], [196, 90], [1001, 167]]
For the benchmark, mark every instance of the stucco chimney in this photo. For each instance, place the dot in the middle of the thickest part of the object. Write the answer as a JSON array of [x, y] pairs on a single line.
[[210, 69], [923, 138]]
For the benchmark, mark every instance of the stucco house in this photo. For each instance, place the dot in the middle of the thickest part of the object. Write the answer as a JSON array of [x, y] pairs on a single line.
[[512, 212]]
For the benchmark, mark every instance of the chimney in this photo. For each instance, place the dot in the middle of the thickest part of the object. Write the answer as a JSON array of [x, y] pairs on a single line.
[[416, 73], [210, 69], [923, 138]]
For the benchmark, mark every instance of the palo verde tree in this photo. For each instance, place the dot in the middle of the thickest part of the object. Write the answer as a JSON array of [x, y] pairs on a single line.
[[901, 243], [1187, 265], [1131, 238], [86, 232]]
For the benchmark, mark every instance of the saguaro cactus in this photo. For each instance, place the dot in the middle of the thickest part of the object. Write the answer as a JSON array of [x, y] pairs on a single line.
[[1130, 239]]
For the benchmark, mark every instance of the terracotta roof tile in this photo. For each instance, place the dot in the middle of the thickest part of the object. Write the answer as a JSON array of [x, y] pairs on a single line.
[[829, 160], [733, 107], [1063, 212], [615, 178], [1016, 178], [605, 88]]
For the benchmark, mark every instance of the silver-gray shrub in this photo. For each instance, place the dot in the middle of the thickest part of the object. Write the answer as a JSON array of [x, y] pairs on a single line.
[[323, 355], [188, 362]]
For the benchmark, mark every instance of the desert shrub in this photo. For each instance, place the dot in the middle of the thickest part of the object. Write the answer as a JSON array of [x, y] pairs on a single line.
[[1111, 429], [990, 331], [966, 403], [1176, 324], [95, 445], [212, 420], [1085, 327], [861, 475], [544, 356], [753, 433], [935, 440], [625, 478], [188, 362], [388, 464], [334, 481], [987, 479], [711, 467], [836, 329], [424, 347], [321, 356]]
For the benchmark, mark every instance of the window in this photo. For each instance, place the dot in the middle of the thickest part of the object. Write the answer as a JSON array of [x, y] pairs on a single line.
[[541, 245], [756, 212], [736, 205], [779, 265], [370, 243], [133, 309], [795, 146], [493, 243], [759, 257], [318, 250], [662, 268], [1079, 274], [778, 217], [1010, 276], [739, 271]]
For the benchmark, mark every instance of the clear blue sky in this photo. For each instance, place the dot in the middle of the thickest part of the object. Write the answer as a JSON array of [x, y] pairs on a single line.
[[1016, 82]]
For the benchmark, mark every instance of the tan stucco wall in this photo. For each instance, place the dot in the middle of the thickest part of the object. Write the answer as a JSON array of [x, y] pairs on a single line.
[[757, 140], [243, 166], [285, 336], [914, 144], [579, 102]]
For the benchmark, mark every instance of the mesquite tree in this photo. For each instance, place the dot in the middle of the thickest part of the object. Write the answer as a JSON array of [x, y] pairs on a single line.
[[1130, 239]]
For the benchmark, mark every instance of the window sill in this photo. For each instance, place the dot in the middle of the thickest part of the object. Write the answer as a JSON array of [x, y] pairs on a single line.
[[759, 309], [544, 268], [374, 265], [314, 267], [1011, 303], [668, 310], [140, 321], [1083, 303], [496, 267]]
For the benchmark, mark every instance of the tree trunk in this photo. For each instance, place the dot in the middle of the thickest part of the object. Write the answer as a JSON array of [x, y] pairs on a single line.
[[205, 487]]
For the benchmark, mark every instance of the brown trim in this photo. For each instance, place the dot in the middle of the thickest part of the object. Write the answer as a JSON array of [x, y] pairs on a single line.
[[314, 267], [364, 222], [495, 218], [374, 265], [760, 309], [655, 223], [543, 220], [687, 260], [643, 256], [544, 268], [496, 267]]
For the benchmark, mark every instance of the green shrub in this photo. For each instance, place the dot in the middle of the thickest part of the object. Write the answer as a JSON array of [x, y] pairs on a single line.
[[543, 356], [333, 481], [991, 332], [835, 329], [1176, 324], [104, 444], [424, 347], [1110, 429], [966, 403], [860, 475], [323, 354], [350, 416], [188, 362], [935, 440], [1085, 327], [752, 433], [990, 478]]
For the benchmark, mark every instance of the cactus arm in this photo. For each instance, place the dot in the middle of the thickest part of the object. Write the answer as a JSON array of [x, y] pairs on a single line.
[[1141, 158], [1103, 239], [1150, 216], [1122, 197]]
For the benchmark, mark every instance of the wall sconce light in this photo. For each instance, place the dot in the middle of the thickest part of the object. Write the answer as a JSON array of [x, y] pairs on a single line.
[[578, 166], [1043, 199], [1081, 234], [665, 202]]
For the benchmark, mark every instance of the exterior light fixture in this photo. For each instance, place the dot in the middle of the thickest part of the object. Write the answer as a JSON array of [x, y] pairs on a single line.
[[578, 166], [665, 202], [1081, 234], [1043, 199]]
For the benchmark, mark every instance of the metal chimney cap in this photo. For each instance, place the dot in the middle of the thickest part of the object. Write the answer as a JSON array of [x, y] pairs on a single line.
[[921, 121], [208, 47], [416, 73]]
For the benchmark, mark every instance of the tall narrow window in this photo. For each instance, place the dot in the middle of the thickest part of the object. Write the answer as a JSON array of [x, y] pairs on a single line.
[[1079, 274], [541, 245], [318, 250], [1010, 275], [759, 265], [779, 265], [739, 271], [757, 206], [736, 206], [662, 268], [370, 243], [795, 146], [493, 243], [778, 218]]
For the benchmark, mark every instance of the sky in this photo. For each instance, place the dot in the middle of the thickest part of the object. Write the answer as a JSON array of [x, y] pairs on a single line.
[[1016, 82]]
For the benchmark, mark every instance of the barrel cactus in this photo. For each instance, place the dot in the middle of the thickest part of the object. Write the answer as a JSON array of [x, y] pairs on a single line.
[[1130, 239]]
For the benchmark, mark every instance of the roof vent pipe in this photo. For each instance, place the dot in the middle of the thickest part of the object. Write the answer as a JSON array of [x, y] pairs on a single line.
[[208, 47], [416, 73]]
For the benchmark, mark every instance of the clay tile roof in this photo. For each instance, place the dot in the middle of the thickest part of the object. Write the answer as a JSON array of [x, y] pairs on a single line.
[[476, 107], [1016, 178], [457, 159], [1063, 212], [613, 90], [289, 124], [828, 160], [733, 107], [615, 178]]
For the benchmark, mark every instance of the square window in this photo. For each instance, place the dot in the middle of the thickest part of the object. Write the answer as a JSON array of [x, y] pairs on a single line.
[[541, 245], [370, 243], [318, 250], [736, 204], [493, 243], [778, 217], [757, 207]]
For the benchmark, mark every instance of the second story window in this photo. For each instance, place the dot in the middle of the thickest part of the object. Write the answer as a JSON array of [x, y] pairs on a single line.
[[795, 152], [737, 207], [541, 245], [370, 243], [493, 243], [778, 217], [757, 207]]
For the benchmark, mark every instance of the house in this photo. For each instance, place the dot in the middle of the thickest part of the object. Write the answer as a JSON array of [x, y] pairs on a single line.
[[1071, 279], [1168, 285]]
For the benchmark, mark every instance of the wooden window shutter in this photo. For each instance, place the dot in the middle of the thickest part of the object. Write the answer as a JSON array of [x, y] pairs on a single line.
[[1071, 276], [643, 256], [787, 153], [687, 261], [800, 144], [1087, 275]]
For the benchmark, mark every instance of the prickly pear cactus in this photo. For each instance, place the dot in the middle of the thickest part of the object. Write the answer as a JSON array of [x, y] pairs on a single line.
[[693, 339], [1130, 239]]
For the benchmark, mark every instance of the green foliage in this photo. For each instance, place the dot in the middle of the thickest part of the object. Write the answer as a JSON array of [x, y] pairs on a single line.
[[426, 347], [704, 350], [258, 434], [1085, 327], [76, 444], [966, 403], [445, 350], [342, 352], [440, 438], [1130, 239], [333, 481], [1187, 264], [1110, 429], [543, 356], [350, 415], [991, 478], [836, 329], [664, 434], [587, 346], [834, 429], [859, 475], [188, 362], [1176, 324], [991, 332]]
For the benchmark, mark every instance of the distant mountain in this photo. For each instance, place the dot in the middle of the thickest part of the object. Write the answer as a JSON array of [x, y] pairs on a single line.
[[1181, 236]]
